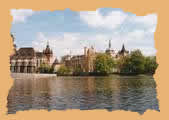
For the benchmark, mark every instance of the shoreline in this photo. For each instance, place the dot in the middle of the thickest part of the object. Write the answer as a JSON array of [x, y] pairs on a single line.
[[43, 75], [97, 75], [31, 75]]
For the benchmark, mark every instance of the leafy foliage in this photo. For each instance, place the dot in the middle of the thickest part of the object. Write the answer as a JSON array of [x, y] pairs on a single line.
[[136, 63], [133, 63], [78, 71], [124, 64], [45, 68], [150, 64], [63, 70], [104, 64]]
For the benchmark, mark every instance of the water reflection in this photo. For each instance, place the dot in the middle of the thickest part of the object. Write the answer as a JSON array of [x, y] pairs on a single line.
[[135, 93]]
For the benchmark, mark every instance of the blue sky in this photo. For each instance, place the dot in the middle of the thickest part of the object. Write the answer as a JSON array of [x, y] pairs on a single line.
[[68, 30]]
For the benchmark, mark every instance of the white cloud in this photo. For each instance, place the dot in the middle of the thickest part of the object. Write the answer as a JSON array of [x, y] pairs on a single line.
[[148, 20], [66, 43], [140, 39], [95, 19], [137, 38], [21, 15], [115, 18], [61, 44]]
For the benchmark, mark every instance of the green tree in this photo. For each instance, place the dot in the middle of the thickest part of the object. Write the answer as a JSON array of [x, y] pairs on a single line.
[[45, 68], [104, 64], [124, 64], [150, 64], [63, 70], [137, 62], [134, 63], [77, 71]]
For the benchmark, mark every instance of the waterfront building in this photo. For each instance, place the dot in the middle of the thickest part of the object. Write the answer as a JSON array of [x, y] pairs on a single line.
[[56, 65], [123, 52], [27, 60], [113, 54], [48, 53], [110, 51], [116, 55], [14, 45], [84, 62]]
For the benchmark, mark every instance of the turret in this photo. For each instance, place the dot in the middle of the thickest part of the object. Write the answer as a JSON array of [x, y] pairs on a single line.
[[14, 45], [109, 44], [123, 51], [110, 51], [48, 52]]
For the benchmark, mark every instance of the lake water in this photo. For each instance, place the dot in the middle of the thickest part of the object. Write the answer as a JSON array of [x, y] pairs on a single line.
[[133, 93]]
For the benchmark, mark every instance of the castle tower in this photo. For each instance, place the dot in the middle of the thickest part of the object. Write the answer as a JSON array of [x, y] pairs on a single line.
[[110, 51], [14, 45], [123, 48], [109, 44], [48, 53], [123, 51]]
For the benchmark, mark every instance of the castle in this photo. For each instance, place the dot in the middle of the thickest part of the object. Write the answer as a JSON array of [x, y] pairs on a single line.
[[27, 60], [112, 53], [85, 62]]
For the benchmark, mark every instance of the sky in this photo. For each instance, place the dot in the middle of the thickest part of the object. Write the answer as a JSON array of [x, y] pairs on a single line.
[[68, 32]]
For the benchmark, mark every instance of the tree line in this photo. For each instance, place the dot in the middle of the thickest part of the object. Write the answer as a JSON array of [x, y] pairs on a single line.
[[134, 63], [104, 64]]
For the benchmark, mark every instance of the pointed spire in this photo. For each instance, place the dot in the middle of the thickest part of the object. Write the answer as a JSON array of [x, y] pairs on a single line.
[[123, 48], [109, 44], [47, 44], [13, 38], [14, 45]]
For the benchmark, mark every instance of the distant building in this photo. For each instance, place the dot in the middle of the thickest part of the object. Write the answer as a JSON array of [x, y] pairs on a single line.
[[122, 52], [48, 54], [110, 51], [56, 65], [83, 62], [27, 60], [14, 45], [116, 55]]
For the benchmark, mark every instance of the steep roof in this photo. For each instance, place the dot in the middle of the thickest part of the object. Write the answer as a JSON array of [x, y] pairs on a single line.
[[56, 61], [25, 53], [48, 50], [123, 50], [39, 54]]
